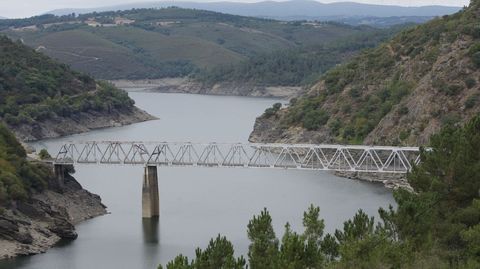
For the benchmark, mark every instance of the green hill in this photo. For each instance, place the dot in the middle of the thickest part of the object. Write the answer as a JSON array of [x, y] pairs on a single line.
[[167, 42], [401, 92], [295, 66], [39, 96]]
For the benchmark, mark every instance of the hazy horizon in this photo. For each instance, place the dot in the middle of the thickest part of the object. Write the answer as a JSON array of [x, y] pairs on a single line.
[[25, 8]]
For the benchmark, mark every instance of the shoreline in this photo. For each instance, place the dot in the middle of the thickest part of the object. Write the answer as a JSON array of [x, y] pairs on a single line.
[[44, 220], [77, 124], [185, 85]]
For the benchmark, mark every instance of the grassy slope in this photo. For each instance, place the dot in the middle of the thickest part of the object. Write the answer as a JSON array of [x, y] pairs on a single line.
[[170, 48], [194, 39], [399, 93], [87, 52]]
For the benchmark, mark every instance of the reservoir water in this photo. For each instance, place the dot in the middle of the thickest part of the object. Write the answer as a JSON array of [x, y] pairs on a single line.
[[196, 204]]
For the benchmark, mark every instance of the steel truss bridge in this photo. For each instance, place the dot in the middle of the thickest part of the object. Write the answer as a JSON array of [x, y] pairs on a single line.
[[376, 159]]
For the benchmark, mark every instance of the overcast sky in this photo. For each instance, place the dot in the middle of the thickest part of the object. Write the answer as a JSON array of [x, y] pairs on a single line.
[[27, 8]]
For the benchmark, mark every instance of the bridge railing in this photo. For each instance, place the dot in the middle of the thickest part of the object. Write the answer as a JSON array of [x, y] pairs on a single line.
[[354, 158]]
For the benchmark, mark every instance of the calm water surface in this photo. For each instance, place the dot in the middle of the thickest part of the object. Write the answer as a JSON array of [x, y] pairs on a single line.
[[195, 203]]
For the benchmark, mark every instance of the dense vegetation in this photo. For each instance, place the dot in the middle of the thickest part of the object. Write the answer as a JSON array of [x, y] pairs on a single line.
[[436, 226], [35, 88], [400, 92], [18, 177], [297, 66], [166, 42]]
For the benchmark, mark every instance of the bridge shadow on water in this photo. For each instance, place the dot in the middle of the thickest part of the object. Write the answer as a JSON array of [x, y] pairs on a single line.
[[151, 230]]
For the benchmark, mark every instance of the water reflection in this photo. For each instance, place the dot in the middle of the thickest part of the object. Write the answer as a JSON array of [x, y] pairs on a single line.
[[150, 230]]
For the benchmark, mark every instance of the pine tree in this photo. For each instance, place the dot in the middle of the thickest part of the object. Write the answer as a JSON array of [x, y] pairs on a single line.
[[263, 250]]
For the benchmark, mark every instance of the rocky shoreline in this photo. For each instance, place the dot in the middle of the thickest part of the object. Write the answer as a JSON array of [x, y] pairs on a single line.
[[268, 130], [33, 226], [79, 123], [389, 181], [185, 85]]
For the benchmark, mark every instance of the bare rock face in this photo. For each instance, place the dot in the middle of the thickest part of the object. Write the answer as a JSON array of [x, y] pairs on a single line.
[[33, 226], [82, 122], [272, 130]]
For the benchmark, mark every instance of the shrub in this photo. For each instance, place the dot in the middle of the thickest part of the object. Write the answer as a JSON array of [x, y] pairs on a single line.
[[474, 49], [454, 89], [355, 92], [277, 106], [470, 82], [450, 119], [272, 110], [451, 90], [44, 155], [403, 110], [476, 59], [346, 108], [348, 132], [335, 126], [474, 53], [315, 119], [403, 135], [471, 101]]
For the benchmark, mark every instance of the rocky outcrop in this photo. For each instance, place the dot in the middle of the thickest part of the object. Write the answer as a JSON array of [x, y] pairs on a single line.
[[185, 85], [79, 123], [269, 129], [33, 226]]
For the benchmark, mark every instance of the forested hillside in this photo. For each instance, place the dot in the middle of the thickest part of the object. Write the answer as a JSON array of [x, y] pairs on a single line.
[[18, 177], [37, 94], [297, 66], [167, 42], [401, 92]]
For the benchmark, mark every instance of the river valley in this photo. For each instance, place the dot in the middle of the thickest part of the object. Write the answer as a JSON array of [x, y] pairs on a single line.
[[195, 203]]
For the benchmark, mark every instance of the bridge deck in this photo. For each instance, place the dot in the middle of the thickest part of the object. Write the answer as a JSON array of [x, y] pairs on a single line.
[[354, 158]]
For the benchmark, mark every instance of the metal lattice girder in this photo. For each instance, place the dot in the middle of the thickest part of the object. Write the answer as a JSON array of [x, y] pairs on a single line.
[[296, 156]]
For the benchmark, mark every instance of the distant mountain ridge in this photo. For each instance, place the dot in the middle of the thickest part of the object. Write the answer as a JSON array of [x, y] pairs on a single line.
[[288, 10]]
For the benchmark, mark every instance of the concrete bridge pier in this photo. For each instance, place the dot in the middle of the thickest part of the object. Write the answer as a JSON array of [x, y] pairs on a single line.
[[150, 197], [59, 172]]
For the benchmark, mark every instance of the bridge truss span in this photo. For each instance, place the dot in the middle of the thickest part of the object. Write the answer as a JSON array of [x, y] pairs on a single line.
[[348, 158]]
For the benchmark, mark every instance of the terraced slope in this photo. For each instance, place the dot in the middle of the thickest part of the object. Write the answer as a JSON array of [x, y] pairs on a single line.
[[167, 42]]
